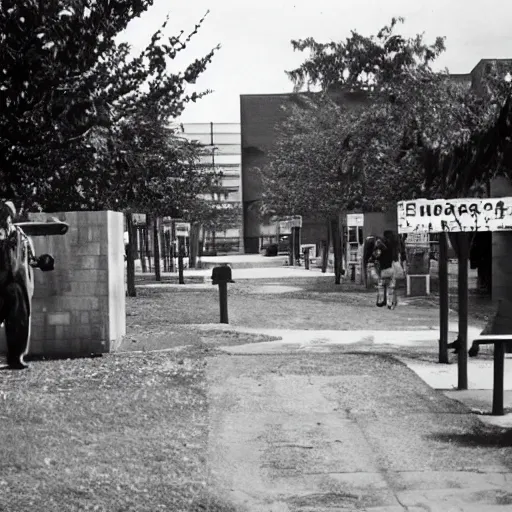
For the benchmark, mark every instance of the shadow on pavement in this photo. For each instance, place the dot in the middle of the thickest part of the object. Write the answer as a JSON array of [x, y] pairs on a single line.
[[489, 437]]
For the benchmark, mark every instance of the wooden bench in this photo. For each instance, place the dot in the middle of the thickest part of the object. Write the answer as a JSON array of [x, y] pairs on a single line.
[[497, 332]]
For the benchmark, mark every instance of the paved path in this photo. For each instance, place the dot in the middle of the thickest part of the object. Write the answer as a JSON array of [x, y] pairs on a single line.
[[278, 272], [316, 432], [439, 376]]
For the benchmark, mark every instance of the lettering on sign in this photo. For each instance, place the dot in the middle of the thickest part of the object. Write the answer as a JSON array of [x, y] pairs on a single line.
[[430, 216]]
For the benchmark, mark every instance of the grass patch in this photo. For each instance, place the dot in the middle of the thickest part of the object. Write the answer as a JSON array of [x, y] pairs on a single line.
[[118, 433], [124, 432]]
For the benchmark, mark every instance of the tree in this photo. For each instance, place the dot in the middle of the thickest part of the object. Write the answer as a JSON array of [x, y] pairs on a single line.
[[424, 112], [307, 157], [370, 63], [426, 116], [467, 165], [71, 100]]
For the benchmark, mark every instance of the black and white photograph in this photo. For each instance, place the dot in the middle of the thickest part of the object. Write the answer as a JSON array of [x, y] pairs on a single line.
[[255, 256]]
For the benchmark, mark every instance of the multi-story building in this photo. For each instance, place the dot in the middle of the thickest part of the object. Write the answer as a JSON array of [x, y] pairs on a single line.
[[222, 152], [261, 115]]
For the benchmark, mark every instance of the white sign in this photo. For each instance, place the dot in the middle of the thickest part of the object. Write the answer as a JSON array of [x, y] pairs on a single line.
[[437, 215], [182, 228], [139, 219], [287, 223], [285, 227], [311, 247], [355, 219]]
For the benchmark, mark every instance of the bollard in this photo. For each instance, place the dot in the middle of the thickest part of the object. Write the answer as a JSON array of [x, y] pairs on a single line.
[[222, 276], [306, 257]]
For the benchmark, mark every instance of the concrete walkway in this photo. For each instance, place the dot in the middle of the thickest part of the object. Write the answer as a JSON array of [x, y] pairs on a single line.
[[438, 376], [317, 432], [248, 273]]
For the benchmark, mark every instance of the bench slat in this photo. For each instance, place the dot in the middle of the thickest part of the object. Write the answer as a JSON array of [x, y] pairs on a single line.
[[494, 337]]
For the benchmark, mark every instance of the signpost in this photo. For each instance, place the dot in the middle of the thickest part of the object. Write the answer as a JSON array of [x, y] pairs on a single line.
[[459, 218], [182, 230], [291, 226], [443, 298]]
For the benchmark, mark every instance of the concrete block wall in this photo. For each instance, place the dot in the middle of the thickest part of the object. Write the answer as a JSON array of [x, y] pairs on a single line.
[[79, 308]]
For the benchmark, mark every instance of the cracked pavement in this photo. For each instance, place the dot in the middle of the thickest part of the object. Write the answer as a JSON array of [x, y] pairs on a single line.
[[331, 432]]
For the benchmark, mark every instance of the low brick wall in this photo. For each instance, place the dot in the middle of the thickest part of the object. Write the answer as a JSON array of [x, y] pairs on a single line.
[[79, 308]]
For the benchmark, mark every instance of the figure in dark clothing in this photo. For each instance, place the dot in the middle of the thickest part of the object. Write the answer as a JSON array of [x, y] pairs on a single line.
[[383, 253]]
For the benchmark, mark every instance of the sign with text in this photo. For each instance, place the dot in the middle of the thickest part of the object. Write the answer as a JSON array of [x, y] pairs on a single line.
[[182, 228], [355, 219], [475, 214]]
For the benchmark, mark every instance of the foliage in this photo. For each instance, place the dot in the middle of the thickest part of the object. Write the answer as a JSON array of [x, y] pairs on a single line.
[[420, 134], [305, 159], [157, 172], [479, 148], [72, 102], [363, 62]]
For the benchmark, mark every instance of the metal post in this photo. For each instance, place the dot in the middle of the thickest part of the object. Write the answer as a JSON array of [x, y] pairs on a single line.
[[463, 310], [499, 368], [296, 245], [306, 258], [173, 246], [156, 248], [223, 300], [130, 256], [291, 259], [443, 298], [181, 250]]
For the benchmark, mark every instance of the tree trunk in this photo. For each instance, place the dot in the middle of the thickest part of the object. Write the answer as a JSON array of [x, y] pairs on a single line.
[[325, 255], [336, 243], [163, 246], [194, 244], [140, 231], [130, 257], [443, 298], [156, 248], [146, 242], [296, 245]]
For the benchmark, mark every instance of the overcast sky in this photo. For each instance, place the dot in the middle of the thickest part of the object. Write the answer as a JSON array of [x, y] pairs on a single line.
[[255, 38]]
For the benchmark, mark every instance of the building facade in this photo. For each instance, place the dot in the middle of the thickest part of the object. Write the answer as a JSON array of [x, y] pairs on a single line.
[[222, 152], [260, 116]]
